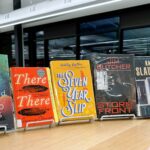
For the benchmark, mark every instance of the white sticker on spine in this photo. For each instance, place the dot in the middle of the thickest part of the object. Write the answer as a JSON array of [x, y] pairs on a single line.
[[19, 123]]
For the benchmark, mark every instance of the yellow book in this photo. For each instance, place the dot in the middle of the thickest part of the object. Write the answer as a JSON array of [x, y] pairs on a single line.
[[73, 89]]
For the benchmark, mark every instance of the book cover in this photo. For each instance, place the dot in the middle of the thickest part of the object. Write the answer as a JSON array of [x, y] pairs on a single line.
[[73, 89], [114, 84], [33, 96], [142, 72], [6, 104]]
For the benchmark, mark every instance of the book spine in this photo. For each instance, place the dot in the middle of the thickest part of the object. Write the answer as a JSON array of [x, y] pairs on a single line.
[[52, 95]]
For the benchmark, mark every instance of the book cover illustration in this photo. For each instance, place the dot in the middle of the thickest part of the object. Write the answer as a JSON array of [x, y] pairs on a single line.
[[142, 72], [33, 96], [114, 85], [6, 104], [73, 89]]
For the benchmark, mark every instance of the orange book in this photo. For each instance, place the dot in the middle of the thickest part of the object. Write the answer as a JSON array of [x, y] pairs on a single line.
[[33, 96], [73, 89]]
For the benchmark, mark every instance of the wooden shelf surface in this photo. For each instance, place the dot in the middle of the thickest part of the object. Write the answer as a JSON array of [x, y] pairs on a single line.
[[99, 135]]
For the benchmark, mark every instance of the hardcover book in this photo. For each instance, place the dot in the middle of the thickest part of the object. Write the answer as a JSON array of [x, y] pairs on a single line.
[[33, 96], [142, 71], [73, 89], [114, 85], [6, 104]]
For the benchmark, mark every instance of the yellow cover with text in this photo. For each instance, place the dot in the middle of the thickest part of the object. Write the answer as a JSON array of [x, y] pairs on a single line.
[[73, 89]]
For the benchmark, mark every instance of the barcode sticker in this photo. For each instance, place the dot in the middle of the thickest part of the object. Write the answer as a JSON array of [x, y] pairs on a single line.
[[19, 123]]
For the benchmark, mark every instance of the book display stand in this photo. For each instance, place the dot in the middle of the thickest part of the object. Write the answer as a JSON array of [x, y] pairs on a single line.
[[3, 127], [123, 116], [76, 119], [52, 122]]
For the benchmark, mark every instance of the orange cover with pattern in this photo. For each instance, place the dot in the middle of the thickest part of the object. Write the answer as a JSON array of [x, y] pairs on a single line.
[[73, 89], [33, 96]]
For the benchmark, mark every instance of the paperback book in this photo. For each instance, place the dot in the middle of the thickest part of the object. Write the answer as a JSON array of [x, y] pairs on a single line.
[[6, 104], [73, 89], [114, 85], [33, 96], [142, 71]]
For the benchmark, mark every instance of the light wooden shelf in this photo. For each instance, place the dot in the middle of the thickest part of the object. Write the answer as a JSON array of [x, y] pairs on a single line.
[[99, 135]]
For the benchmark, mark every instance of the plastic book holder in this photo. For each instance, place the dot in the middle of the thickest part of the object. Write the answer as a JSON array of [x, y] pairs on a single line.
[[76, 119], [121, 116], [41, 121], [3, 127]]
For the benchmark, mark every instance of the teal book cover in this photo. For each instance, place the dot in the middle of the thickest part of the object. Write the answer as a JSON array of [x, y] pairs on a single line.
[[6, 105]]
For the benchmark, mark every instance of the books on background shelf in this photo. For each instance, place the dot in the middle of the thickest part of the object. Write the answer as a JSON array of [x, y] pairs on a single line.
[[6, 104], [114, 85], [73, 90], [142, 72], [33, 96]]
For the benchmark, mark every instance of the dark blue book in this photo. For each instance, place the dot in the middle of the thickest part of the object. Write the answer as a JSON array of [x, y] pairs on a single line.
[[142, 71]]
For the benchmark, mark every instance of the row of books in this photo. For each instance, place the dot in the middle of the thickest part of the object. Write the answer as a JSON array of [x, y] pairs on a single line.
[[65, 92]]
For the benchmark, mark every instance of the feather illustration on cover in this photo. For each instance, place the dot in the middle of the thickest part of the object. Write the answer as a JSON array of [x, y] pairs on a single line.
[[73, 90], [114, 85], [33, 96], [6, 104]]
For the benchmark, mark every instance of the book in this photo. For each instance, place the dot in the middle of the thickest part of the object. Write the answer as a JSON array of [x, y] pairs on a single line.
[[33, 96], [6, 103], [142, 72], [73, 90], [114, 85]]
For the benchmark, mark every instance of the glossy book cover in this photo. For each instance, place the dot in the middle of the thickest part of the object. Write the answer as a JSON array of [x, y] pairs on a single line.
[[6, 105], [142, 72], [73, 89], [33, 96], [114, 84]]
